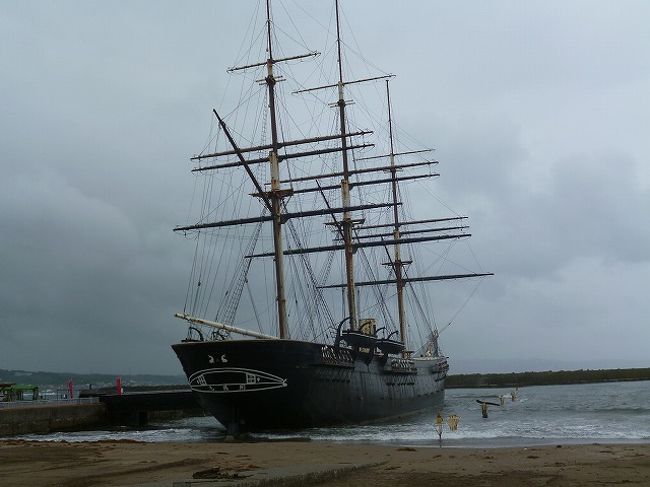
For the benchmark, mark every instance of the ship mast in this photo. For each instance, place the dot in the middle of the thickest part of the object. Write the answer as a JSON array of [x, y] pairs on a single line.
[[275, 193], [397, 261], [273, 198], [345, 188]]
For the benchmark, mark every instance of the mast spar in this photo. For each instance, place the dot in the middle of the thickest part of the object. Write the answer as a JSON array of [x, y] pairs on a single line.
[[276, 192], [397, 261], [345, 187]]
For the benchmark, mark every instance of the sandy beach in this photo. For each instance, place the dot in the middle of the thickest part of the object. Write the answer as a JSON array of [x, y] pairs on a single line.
[[125, 463]]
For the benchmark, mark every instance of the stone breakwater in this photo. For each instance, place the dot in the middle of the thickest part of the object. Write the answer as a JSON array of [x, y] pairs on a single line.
[[47, 418]]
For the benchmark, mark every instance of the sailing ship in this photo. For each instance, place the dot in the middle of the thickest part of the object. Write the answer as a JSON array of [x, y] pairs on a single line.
[[305, 366]]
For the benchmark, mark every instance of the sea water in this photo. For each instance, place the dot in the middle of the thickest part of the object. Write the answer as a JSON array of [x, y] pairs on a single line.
[[584, 413]]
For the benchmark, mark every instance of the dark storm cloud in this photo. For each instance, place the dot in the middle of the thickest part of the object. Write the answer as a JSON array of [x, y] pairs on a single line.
[[91, 273], [539, 113]]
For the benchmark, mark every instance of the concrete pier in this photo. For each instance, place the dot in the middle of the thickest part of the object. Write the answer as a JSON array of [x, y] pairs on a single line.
[[135, 408], [138, 408], [47, 418]]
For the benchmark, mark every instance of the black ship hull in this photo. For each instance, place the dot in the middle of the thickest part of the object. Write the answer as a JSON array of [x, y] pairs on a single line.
[[253, 385]]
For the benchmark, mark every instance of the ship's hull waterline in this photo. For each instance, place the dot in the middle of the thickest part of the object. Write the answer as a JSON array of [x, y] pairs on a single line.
[[253, 385]]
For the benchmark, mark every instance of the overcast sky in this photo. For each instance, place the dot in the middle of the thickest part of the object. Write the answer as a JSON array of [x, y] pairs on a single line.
[[539, 112]]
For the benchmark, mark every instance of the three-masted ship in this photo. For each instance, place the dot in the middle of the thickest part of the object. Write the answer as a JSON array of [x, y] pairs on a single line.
[[305, 367]]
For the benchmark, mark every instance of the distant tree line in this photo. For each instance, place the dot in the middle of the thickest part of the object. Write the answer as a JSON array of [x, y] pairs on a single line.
[[546, 378]]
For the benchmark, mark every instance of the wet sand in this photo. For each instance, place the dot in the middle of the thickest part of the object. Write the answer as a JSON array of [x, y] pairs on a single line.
[[125, 463]]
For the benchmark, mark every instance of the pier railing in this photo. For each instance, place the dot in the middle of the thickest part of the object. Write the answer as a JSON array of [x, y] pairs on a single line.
[[47, 402]]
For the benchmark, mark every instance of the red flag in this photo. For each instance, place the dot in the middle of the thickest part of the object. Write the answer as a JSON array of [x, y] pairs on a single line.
[[70, 389], [118, 385]]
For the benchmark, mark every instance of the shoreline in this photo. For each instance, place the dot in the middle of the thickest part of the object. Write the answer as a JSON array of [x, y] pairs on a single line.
[[451, 443], [127, 462], [112, 436]]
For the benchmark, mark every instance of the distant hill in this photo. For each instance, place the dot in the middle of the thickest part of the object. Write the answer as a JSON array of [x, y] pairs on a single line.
[[60, 379], [547, 378]]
